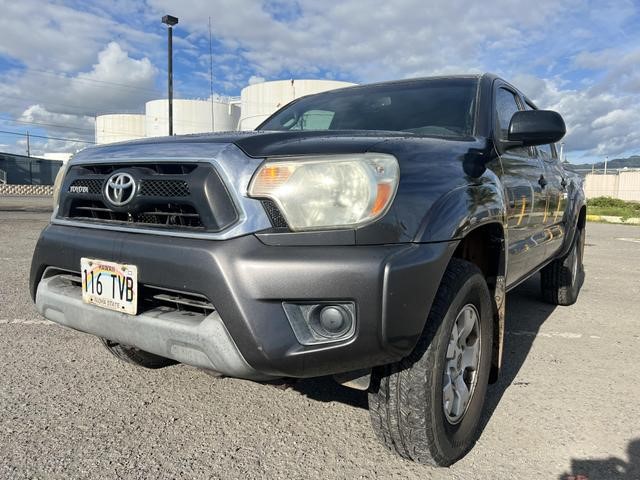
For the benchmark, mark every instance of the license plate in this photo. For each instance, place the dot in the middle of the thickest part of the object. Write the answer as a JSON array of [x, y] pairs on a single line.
[[110, 285]]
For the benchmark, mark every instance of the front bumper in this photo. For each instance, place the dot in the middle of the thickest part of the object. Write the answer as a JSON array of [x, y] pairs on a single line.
[[199, 340], [247, 281]]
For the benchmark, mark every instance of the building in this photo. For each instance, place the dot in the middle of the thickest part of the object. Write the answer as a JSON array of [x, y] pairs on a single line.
[[23, 170]]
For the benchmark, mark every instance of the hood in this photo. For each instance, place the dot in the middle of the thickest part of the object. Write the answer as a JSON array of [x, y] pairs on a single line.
[[255, 144]]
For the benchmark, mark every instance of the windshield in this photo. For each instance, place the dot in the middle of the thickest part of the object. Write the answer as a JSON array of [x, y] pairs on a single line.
[[440, 107]]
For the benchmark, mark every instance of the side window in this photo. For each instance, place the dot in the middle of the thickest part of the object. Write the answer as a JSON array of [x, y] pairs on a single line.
[[506, 106], [317, 120], [545, 152], [312, 120]]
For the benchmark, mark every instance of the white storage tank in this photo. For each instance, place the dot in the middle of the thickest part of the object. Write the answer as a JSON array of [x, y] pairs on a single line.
[[260, 100], [119, 127], [190, 116], [225, 116]]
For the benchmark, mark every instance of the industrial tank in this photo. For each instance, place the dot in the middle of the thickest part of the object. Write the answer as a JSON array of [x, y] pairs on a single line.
[[119, 127], [225, 116], [190, 116], [260, 100]]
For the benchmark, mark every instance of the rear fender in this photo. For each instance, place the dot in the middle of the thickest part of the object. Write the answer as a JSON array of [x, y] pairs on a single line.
[[577, 201]]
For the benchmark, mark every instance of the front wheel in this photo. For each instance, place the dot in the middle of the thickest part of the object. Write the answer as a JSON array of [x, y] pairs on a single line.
[[427, 407]]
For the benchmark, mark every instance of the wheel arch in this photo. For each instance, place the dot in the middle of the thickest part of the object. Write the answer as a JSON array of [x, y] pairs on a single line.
[[485, 247], [463, 210], [576, 218]]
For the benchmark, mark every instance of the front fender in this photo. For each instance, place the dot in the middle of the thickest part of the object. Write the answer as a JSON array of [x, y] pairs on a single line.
[[462, 210], [459, 213]]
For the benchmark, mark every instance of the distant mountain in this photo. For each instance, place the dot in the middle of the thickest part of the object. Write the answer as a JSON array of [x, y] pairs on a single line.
[[631, 162]]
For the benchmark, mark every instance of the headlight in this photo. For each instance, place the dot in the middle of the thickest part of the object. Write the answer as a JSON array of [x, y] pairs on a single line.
[[321, 192], [57, 184]]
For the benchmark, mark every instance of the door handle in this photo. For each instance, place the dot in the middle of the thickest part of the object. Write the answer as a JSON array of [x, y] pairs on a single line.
[[542, 182]]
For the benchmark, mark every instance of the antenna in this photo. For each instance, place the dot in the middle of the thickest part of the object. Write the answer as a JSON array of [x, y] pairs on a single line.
[[211, 74]]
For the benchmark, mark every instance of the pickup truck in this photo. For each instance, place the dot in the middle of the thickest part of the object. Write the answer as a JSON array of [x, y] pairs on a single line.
[[369, 233]]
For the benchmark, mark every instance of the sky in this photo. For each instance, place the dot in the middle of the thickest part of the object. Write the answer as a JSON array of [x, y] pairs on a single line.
[[63, 62]]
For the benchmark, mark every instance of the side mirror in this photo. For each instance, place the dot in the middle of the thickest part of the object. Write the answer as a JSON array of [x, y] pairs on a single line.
[[536, 127]]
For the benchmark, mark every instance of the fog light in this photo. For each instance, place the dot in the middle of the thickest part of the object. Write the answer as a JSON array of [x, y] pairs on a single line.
[[333, 321], [321, 322]]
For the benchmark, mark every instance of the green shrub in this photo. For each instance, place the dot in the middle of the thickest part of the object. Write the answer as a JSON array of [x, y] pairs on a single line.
[[613, 206], [611, 202]]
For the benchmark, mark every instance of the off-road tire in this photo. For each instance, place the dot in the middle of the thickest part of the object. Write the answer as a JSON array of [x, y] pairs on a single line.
[[405, 398], [136, 356], [559, 284]]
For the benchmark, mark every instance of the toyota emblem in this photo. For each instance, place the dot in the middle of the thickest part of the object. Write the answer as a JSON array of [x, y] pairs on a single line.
[[120, 189]]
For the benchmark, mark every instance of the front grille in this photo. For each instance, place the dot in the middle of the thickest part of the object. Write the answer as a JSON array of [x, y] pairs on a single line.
[[148, 188], [92, 185], [162, 215], [180, 196], [164, 188]]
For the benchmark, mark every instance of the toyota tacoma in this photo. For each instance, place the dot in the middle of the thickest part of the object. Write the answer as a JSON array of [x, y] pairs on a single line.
[[369, 233]]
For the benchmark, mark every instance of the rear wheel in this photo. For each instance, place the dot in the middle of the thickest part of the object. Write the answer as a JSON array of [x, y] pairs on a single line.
[[562, 279], [136, 356], [427, 407]]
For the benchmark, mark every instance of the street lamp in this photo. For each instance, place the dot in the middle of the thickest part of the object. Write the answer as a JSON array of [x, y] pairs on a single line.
[[170, 21]]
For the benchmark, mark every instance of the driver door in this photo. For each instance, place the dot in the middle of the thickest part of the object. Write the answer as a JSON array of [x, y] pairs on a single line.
[[523, 180]]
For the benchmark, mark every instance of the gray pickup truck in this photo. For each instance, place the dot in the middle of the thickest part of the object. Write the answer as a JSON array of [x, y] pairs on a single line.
[[369, 233]]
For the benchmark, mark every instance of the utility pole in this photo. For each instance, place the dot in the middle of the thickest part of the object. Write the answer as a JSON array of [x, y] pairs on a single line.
[[28, 145], [606, 160], [211, 76], [170, 21]]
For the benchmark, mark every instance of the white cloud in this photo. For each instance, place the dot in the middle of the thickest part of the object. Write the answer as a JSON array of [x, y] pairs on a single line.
[[600, 121], [51, 35], [380, 40], [367, 40], [65, 105], [579, 59], [253, 79]]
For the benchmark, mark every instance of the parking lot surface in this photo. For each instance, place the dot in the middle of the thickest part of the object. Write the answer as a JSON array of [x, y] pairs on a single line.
[[566, 404]]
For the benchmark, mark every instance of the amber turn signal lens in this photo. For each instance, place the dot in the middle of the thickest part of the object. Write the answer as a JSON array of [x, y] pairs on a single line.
[[382, 199], [272, 176]]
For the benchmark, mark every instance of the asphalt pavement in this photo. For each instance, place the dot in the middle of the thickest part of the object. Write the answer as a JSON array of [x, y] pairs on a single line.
[[566, 404]]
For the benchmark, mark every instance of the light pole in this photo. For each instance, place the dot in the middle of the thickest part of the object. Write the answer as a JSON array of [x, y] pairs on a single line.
[[170, 21]]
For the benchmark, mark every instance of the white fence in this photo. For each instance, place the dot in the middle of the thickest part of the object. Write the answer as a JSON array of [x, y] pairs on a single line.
[[622, 184]]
